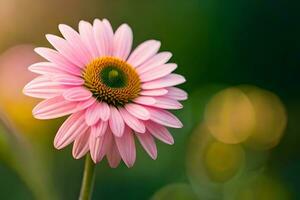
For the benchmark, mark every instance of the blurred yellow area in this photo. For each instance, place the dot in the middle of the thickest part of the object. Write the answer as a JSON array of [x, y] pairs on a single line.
[[230, 116], [241, 124], [270, 115], [14, 75], [223, 161], [212, 164], [246, 114]]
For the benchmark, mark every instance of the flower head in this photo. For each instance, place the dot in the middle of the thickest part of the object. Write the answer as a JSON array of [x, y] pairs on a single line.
[[111, 94]]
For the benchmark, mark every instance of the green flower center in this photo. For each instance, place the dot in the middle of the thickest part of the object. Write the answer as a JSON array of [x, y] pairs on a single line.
[[113, 77]]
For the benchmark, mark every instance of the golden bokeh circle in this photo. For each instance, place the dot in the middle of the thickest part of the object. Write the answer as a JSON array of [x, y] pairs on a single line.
[[230, 116]]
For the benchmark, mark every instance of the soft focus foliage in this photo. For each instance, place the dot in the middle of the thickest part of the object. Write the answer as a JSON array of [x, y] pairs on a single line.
[[238, 141]]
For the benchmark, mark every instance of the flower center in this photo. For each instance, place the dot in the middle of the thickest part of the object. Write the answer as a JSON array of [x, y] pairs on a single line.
[[112, 80], [113, 77]]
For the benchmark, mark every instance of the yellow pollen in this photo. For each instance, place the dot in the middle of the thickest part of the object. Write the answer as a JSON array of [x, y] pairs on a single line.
[[112, 80]]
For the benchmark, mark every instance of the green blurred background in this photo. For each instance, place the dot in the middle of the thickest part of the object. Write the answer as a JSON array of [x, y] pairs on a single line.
[[217, 45]]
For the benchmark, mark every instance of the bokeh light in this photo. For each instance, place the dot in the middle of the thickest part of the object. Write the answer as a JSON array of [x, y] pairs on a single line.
[[270, 115], [230, 116], [223, 161], [212, 164]]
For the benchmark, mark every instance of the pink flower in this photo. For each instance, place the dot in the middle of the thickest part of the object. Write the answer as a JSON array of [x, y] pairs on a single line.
[[110, 93]]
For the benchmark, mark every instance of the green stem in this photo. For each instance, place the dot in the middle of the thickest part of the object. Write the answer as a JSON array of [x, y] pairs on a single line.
[[88, 179]]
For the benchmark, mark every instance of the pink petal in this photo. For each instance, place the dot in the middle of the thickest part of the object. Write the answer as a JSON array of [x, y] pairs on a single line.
[[99, 129], [105, 111], [71, 128], [81, 145], [113, 155], [157, 60], [158, 72], [116, 122], [148, 144], [138, 111], [77, 94], [92, 114], [58, 60], [126, 147], [85, 104], [98, 147], [143, 52], [176, 93], [76, 42], [122, 42], [54, 108], [166, 103], [45, 68], [155, 92], [43, 87], [104, 37], [110, 34], [167, 81], [87, 35], [165, 118], [160, 132], [65, 49], [65, 79], [145, 100], [132, 122]]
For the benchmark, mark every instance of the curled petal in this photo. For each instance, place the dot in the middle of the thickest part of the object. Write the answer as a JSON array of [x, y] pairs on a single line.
[[143, 52], [155, 92], [54, 108], [65, 79], [71, 128], [167, 81], [176, 93], [126, 147], [138, 111], [160, 132], [157, 60], [148, 144], [85, 104], [158, 72], [145, 100], [45, 68], [105, 111], [56, 58], [116, 122], [166, 103], [99, 129], [43, 87], [77, 94], [98, 147], [165, 118], [81, 145], [113, 155], [92, 114], [132, 122]]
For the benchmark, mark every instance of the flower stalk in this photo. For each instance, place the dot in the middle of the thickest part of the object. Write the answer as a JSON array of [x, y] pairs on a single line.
[[88, 179]]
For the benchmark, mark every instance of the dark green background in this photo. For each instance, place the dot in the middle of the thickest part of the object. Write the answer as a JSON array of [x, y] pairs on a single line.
[[214, 42]]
